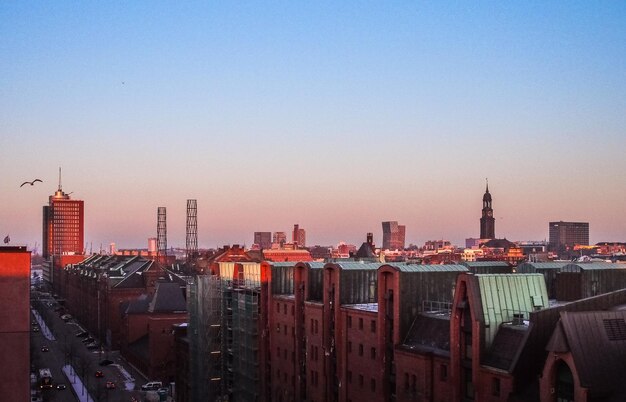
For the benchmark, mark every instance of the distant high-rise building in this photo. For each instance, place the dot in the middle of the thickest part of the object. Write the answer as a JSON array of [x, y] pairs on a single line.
[[393, 235], [298, 236], [152, 245], [279, 239], [263, 239], [567, 234], [63, 224], [487, 221]]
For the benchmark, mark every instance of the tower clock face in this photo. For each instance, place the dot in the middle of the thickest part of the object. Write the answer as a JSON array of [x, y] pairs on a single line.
[[489, 213]]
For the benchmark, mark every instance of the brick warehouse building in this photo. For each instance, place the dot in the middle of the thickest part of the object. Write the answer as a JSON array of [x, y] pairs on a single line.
[[15, 321], [348, 331]]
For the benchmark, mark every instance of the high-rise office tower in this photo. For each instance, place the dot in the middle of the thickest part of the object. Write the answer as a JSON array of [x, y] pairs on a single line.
[[298, 236], [280, 238], [263, 239], [393, 235], [487, 221], [568, 234], [63, 224]]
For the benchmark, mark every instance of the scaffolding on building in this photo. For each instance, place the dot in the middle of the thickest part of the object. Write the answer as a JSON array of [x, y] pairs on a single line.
[[224, 342], [206, 322]]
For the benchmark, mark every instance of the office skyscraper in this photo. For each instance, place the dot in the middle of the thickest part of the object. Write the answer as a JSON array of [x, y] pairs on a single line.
[[298, 236], [393, 235], [263, 239], [63, 225], [567, 234]]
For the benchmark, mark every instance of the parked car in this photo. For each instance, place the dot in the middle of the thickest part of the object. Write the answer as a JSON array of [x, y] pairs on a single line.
[[92, 345], [82, 334], [151, 386], [88, 340], [45, 349], [110, 385], [66, 317]]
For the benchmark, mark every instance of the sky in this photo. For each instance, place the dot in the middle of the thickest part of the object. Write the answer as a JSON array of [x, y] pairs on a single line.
[[333, 115]]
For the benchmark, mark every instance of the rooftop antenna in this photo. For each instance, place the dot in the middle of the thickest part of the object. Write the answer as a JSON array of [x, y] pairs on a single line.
[[60, 188], [487, 181]]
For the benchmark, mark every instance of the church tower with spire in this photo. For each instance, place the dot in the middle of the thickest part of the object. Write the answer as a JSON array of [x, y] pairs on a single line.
[[487, 221]]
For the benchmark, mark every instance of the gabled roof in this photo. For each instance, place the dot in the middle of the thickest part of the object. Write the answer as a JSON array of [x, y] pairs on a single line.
[[429, 332], [357, 266], [168, 298], [472, 264], [597, 341], [365, 251], [503, 295], [402, 267], [591, 266], [532, 267], [505, 346], [139, 305]]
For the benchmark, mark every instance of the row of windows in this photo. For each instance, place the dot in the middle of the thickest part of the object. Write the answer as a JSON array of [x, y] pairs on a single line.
[[372, 324], [361, 381], [285, 353], [293, 309], [372, 350], [293, 330]]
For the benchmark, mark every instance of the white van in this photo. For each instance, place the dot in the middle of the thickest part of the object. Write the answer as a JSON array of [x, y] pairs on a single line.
[[152, 386]]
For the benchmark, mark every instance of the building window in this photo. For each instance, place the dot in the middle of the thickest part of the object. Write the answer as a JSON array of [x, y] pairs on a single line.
[[443, 372], [373, 353], [373, 385], [349, 377], [285, 309], [414, 383], [360, 323], [293, 310], [278, 307], [349, 347], [495, 386], [373, 326], [361, 380], [349, 321], [285, 329], [406, 382], [360, 349]]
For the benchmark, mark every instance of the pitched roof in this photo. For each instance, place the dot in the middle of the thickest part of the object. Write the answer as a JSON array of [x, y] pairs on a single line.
[[168, 298], [429, 332], [365, 251], [589, 266], [505, 346], [531, 267], [503, 295], [597, 341]]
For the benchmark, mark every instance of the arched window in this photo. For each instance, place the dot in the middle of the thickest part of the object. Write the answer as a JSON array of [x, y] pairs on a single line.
[[564, 383]]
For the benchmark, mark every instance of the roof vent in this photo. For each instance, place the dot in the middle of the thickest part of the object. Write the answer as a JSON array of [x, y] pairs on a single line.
[[518, 319], [615, 329]]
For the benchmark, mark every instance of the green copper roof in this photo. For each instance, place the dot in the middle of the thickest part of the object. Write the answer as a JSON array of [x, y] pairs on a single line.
[[430, 268], [507, 294], [358, 266], [485, 264], [588, 266], [531, 267]]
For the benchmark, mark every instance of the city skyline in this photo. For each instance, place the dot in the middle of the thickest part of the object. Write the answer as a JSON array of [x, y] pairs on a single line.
[[334, 116]]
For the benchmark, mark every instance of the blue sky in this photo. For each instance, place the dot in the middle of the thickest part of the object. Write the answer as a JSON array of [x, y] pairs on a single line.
[[333, 115]]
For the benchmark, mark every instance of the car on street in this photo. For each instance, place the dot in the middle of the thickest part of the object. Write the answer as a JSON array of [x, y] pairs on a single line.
[[82, 334], [92, 345], [61, 387], [151, 386], [110, 385], [99, 374], [106, 362], [35, 329], [88, 340], [45, 349]]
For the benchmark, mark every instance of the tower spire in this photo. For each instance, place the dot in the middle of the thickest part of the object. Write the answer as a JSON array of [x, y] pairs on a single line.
[[487, 181], [60, 187]]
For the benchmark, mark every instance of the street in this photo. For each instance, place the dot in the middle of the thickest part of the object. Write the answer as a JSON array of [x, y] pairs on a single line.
[[56, 344]]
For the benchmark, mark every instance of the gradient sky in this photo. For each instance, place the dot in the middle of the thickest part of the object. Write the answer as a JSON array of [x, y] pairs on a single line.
[[333, 115]]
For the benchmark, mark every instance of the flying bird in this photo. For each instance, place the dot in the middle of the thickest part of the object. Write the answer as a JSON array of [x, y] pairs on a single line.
[[31, 182]]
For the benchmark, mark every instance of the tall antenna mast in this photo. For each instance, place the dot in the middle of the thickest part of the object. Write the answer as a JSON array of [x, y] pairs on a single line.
[[60, 188]]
